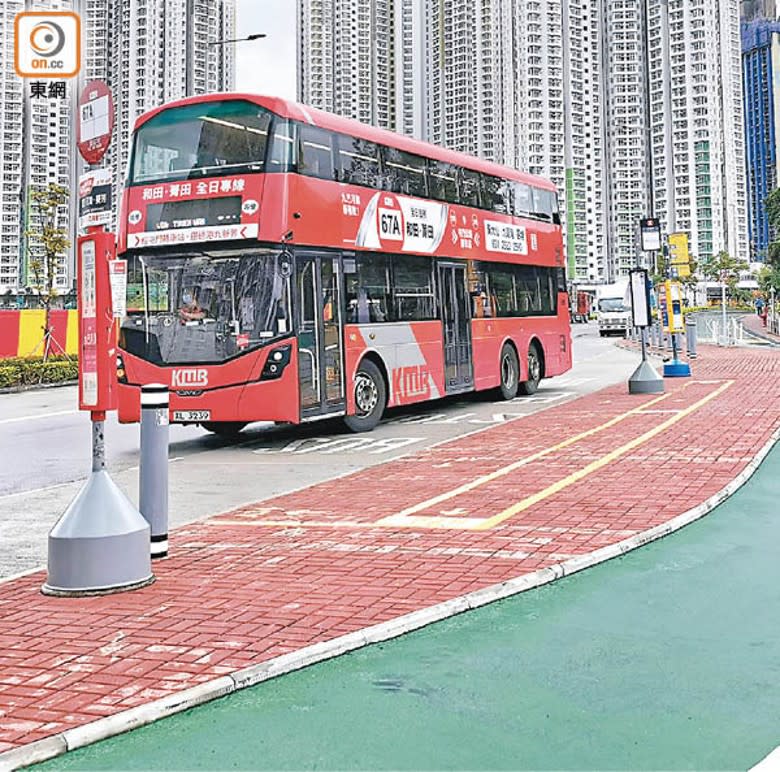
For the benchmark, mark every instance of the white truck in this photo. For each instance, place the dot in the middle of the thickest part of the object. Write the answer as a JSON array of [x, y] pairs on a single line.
[[613, 308]]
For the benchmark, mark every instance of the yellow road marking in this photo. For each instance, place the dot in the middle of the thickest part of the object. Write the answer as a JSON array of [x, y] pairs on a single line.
[[407, 519], [503, 471], [601, 462], [487, 523], [294, 523]]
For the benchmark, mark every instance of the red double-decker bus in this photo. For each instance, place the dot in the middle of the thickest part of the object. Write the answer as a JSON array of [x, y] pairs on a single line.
[[285, 264]]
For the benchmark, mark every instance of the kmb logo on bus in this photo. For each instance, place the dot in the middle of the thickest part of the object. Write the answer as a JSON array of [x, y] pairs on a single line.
[[189, 377], [411, 382]]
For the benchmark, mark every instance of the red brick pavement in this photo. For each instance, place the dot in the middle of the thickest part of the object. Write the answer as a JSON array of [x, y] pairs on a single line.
[[249, 585], [753, 323]]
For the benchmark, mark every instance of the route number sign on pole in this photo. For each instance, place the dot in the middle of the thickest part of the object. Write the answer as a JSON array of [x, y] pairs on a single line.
[[95, 122]]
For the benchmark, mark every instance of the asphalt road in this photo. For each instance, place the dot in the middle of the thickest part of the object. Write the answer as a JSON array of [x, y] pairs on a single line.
[[45, 447]]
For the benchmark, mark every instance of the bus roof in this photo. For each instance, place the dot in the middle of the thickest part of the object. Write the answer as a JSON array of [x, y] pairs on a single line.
[[316, 117]]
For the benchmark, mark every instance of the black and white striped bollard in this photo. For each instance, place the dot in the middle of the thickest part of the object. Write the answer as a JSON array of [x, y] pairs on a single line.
[[153, 483]]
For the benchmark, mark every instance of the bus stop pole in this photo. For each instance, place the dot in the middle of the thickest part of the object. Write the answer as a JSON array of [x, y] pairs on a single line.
[[644, 380]]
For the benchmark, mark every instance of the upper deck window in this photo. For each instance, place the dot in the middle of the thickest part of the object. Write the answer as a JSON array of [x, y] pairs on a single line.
[[359, 161], [443, 181], [496, 194], [405, 172], [468, 186], [201, 140], [315, 153]]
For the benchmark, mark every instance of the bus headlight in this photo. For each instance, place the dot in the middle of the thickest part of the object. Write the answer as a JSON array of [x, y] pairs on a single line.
[[278, 359], [121, 374]]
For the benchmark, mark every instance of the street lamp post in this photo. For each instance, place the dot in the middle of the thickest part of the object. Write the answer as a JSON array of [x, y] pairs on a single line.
[[255, 36]]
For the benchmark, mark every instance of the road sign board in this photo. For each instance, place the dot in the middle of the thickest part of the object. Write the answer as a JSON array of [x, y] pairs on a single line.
[[672, 307], [640, 298], [95, 198], [96, 121], [650, 232], [679, 256]]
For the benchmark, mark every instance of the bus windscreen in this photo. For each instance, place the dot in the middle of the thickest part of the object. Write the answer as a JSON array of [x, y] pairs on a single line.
[[203, 308], [203, 140]]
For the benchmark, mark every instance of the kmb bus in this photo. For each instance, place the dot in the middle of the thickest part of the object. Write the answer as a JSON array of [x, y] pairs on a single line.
[[286, 264]]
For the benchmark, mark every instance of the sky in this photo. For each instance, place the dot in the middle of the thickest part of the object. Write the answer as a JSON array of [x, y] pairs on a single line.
[[266, 66]]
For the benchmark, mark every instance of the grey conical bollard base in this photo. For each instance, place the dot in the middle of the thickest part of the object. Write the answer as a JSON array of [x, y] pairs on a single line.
[[645, 380], [100, 544]]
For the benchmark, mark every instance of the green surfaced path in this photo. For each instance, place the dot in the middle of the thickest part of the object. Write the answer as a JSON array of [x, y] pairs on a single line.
[[668, 658]]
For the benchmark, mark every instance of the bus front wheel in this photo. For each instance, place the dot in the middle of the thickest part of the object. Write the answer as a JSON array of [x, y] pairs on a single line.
[[509, 372], [534, 372], [370, 395]]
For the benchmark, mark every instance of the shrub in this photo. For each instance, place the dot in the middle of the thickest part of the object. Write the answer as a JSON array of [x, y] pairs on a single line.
[[28, 372]]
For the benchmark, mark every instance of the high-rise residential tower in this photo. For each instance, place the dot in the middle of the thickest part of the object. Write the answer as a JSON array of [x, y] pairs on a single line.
[[514, 81], [585, 103], [34, 136], [758, 9], [696, 123], [632, 107], [627, 169], [761, 74], [154, 51], [494, 81], [148, 51], [363, 60]]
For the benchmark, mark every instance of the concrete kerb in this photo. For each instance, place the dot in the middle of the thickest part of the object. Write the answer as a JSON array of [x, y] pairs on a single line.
[[103, 728], [36, 387]]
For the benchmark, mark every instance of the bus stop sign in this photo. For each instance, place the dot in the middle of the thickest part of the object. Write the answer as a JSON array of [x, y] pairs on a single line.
[[650, 233], [96, 121]]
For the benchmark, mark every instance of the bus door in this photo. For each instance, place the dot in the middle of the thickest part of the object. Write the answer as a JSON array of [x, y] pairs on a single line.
[[454, 303], [318, 318]]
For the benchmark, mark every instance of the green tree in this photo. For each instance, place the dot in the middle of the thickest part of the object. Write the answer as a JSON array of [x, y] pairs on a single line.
[[773, 215], [47, 244], [722, 267], [768, 278]]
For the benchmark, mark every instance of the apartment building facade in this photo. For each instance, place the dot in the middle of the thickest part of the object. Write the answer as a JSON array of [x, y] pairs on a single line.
[[697, 125], [154, 51], [34, 136], [761, 76], [148, 51], [632, 107]]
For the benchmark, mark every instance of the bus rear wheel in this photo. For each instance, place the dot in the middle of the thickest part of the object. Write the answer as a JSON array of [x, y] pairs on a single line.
[[224, 428], [509, 372], [530, 386], [370, 393]]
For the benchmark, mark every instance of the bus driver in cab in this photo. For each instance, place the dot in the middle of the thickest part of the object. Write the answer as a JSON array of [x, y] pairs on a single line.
[[191, 311]]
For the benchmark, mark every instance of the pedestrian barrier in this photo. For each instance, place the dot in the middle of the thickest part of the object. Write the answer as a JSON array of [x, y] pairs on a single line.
[[712, 330], [21, 332], [661, 342]]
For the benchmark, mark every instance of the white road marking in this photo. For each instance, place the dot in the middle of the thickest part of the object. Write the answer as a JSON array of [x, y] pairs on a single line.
[[330, 445], [37, 415]]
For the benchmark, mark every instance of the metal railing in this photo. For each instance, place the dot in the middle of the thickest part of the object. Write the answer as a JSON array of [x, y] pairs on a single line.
[[713, 330]]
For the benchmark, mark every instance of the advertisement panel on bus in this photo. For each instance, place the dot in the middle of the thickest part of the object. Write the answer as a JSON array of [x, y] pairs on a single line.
[[231, 208]]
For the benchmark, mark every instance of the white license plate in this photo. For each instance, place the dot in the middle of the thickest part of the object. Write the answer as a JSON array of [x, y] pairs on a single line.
[[191, 416]]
